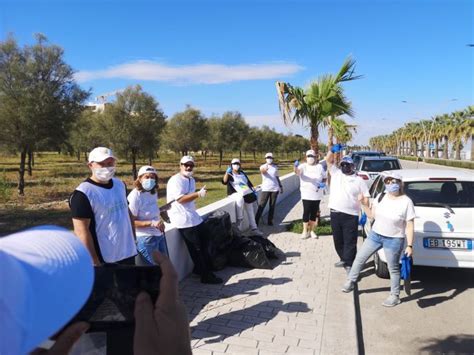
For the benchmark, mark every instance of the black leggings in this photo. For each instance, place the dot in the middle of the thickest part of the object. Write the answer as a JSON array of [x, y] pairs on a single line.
[[264, 197], [196, 241], [310, 210]]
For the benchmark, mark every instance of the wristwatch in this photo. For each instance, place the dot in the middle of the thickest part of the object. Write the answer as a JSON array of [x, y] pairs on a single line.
[[410, 246]]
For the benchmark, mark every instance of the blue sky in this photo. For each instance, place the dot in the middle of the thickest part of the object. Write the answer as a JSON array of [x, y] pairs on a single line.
[[227, 55]]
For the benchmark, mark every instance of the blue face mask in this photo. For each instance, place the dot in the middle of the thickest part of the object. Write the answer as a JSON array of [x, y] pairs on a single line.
[[148, 184], [392, 188]]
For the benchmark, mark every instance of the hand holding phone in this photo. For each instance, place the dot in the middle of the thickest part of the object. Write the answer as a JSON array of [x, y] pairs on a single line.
[[162, 328]]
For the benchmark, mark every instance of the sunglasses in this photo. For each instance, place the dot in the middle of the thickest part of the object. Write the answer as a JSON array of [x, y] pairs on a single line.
[[188, 166], [310, 156], [390, 181]]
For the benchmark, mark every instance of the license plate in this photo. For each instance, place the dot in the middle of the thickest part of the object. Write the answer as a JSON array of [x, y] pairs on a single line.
[[445, 243]]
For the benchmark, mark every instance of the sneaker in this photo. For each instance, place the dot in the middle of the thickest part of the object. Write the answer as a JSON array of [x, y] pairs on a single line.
[[211, 279], [391, 301], [340, 264], [314, 235], [304, 235], [348, 286]]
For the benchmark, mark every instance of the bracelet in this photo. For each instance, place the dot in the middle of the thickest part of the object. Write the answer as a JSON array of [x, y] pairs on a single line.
[[410, 246]]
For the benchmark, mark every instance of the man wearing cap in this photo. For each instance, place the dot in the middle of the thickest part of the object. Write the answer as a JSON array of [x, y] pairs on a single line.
[[345, 206], [311, 176], [100, 213], [181, 192], [271, 186]]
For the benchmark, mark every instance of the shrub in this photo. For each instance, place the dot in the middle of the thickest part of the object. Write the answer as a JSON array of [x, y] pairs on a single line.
[[454, 163], [324, 227], [406, 157], [5, 188]]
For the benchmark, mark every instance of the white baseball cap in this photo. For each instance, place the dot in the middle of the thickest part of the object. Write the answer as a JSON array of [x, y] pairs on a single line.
[[311, 152], [147, 169], [47, 276], [99, 154], [391, 174], [269, 155], [186, 159], [235, 161]]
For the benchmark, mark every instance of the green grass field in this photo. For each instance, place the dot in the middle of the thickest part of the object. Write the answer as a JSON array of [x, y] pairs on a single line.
[[55, 176]]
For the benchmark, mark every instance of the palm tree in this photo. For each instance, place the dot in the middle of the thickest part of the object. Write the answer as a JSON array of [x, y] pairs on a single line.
[[323, 100], [342, 131]]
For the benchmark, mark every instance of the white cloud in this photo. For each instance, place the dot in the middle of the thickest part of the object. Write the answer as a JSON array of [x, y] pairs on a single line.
[[191, 74]]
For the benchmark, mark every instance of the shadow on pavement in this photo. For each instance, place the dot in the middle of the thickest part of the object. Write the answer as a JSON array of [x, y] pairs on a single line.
[[453, 344], [241, 320]]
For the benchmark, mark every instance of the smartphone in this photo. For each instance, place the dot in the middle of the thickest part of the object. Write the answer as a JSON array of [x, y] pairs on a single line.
[[111, 303]]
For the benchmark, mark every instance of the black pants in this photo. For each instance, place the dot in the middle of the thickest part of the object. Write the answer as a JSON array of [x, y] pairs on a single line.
[[196, 241], [264, 197], [344, 230], [310, 210]]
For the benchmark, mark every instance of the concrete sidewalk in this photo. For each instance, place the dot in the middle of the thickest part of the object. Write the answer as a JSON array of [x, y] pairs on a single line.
[[296, 308]]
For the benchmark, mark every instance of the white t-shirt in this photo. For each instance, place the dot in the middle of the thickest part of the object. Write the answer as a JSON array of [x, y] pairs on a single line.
[[269, 179], [391, 215], [345, 190], [144, 206], [182, 215], [310, 177], [240, 183]]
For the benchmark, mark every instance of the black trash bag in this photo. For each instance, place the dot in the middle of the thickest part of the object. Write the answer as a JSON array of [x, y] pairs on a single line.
[[218, 228], [271, 251], [247, 253]]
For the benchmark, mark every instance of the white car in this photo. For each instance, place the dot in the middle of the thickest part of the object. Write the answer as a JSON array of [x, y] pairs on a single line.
[[444, 223], [369, 167]]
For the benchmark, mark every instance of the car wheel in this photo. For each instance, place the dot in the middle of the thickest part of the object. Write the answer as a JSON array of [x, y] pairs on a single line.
[[381, 268]]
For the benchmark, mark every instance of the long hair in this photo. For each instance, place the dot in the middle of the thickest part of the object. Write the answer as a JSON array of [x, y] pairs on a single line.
[[138, 185]]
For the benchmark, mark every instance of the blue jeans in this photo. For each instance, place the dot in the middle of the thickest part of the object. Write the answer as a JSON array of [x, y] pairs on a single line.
[[392, 248], [146, 246]]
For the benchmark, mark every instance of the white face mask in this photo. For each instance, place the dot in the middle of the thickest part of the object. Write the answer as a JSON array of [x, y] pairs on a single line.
[[310, 161], [269, 160], [188, 173], [104, 174], [236, 167]]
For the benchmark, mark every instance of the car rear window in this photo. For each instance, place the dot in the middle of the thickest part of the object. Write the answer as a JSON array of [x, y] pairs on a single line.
[[380, 165], [451, 193]]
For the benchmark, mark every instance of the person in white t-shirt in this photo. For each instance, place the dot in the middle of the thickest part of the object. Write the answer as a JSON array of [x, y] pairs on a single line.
[[271, 186], [394, 214], [241, 189], [181, 193], [344, 206], [312, 184], [143, 203]]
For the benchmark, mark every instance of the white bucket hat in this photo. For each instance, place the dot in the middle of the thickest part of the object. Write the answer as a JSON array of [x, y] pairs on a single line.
[[46, 278], [311, 152], [269, 155], [235, 161], [186, 159]]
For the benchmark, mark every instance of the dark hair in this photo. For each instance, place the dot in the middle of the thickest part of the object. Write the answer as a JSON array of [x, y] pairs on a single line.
[[138, 185]]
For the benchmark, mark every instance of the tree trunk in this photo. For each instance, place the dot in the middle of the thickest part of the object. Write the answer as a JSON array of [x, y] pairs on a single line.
[[21, 180], [220, 158], [205, 155], [445, 148], [472, 147], [254, 157], [30, 169], [85, 156], [458, 150], [330, 137], [314, 139], [149, 161], [134, 164], [78, 154], [240, 155], [436, 148]]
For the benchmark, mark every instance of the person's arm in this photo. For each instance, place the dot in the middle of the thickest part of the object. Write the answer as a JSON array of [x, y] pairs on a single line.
[[330, 160], [410, 231], [364, 202], [279, 184], [132, 222], [296, 166], [227, 175], [81, 230], [264, 168]]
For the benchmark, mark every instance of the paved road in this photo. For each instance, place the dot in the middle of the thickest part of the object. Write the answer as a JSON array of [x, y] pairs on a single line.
[[407, 164], [437, 318]]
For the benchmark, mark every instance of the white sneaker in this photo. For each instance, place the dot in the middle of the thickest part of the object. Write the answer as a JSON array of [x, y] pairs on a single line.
[[314, 235], [304, 235]]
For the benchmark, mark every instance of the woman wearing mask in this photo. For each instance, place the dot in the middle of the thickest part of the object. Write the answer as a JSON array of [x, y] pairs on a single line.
[[143, 204], [311, 187], [271, 186], [241, 189], [394, 213]]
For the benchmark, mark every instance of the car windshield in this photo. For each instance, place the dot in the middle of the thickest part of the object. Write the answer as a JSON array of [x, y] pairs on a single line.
[[441, 193], [380, 165]]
